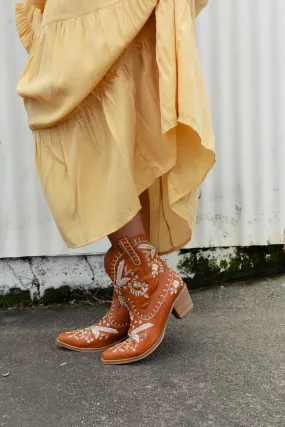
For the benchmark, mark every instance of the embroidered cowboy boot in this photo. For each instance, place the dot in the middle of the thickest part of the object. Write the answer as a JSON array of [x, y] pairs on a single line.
[[111, 329], [151, 291]]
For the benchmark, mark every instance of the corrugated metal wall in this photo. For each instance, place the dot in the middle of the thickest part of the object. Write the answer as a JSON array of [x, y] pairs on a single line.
[[243, 200], [241, 45]]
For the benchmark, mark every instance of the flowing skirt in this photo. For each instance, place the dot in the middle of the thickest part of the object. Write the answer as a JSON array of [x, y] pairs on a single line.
[[117, 105]]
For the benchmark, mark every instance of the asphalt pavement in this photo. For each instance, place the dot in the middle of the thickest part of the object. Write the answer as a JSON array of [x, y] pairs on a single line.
[[223, 366]]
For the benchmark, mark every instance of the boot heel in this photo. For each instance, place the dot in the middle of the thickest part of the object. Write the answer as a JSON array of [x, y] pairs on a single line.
[[183, 304]]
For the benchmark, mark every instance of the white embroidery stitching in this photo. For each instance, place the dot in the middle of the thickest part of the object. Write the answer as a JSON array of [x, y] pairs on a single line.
[[130, 251]]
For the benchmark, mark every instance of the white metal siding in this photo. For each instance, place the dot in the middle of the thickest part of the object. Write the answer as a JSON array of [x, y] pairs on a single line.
[[241, 45], [243, 199]]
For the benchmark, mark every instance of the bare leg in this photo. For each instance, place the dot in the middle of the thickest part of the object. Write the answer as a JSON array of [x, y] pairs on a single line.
[[140, 224], [145, 212], [131, 229]]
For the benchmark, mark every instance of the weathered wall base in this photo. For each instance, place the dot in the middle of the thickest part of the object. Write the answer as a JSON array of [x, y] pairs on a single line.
[[49, 280]]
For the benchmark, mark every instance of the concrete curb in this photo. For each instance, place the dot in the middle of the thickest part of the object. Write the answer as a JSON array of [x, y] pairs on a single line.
[[53, 280]]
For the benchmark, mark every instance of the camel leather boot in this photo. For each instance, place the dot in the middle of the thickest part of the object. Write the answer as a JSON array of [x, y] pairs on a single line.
[[151, 291], [104, 334]]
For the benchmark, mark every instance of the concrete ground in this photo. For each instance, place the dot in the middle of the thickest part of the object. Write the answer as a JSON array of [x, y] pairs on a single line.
[[223, 366]]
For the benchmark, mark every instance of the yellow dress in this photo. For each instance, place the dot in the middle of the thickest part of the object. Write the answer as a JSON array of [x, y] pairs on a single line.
[[117, 105]]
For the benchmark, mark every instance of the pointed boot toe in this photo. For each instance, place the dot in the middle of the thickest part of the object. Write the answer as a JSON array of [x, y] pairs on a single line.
[[112, 329]]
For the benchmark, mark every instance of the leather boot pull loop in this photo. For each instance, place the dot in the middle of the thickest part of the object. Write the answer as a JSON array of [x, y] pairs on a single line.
[[128, 249]]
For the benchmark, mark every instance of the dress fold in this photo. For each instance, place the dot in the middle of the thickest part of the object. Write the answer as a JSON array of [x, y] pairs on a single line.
[[117, 104]]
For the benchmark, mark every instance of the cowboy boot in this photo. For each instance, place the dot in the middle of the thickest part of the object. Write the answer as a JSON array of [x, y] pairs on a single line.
[[104, 334], [151, 291]]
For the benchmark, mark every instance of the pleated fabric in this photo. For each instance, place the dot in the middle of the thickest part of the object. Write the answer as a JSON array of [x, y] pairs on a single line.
[[116, 101]]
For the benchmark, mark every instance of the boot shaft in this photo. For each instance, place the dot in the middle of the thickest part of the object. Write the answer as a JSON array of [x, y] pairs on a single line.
[[142, 280]]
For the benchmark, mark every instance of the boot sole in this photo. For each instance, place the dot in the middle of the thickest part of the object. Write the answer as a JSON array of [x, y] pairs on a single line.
[[180, 309], [87, 350]]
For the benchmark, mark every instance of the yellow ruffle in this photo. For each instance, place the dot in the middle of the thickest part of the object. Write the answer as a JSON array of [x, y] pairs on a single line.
[[117, 103], [28, 22], [73, 55]]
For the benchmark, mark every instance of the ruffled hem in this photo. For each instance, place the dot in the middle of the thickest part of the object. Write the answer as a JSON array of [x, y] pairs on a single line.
[[61, 73], [110, 149], [127, 113], [28, 21]]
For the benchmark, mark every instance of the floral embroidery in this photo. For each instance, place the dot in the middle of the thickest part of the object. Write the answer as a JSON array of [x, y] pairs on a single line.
[[121, 300], [157, 268], [135, 332], [148, 250], [121, 281], [125, 345], [97, 329], [126, 279], [139, 289], [82, 334], [135, 337], [93, 333], [153, 261], [131, 283], [100, 331], [175, 286]]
